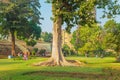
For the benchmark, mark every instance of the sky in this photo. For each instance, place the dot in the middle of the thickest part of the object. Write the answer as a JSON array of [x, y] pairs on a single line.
[[47, 23], [46, 13]]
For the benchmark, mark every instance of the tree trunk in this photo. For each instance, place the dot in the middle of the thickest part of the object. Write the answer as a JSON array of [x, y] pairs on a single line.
[[13, 42], [57, 55], [57, 58]]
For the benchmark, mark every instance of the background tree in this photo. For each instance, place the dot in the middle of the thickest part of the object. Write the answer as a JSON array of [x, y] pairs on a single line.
[[112, 37], [47, 37], [89, 39], [66, 50], [97, 39], [16, 16], [30, 33]]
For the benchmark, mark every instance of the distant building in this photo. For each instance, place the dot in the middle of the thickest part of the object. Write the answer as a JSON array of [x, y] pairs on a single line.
[[46, 46], [42, 46], [5, 48]]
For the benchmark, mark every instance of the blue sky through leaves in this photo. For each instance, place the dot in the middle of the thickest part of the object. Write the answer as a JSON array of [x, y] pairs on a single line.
[[46, 14]]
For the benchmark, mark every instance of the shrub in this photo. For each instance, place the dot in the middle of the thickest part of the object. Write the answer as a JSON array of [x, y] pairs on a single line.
[[42, 52], [31, 42], [34, 51], [67, 51]]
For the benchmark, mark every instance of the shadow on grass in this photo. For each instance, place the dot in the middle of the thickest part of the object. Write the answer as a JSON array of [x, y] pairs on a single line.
[[108, 74], [7, 63], [66, 74]]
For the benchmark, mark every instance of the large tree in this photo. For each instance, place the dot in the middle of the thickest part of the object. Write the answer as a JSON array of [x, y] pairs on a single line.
[[16, 15], [71, 12]]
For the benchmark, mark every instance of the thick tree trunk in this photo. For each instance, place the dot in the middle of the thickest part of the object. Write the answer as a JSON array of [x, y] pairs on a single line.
[[57, 58], [57, 55], [13, 42]]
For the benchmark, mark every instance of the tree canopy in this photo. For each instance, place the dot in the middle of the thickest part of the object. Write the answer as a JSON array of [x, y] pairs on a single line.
[[81, 12], [47, 37], [97, 39], [113, 35], [17, 15]]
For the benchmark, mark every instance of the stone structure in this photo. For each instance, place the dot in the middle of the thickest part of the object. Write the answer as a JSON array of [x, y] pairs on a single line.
[[66, 38]]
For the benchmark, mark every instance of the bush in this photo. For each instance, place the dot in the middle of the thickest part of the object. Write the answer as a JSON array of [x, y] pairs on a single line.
[[67, 51], [31, 42], [34, 51], [42, 52]]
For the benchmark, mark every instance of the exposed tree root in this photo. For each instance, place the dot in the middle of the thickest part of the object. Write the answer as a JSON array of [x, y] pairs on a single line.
[[52, 62]]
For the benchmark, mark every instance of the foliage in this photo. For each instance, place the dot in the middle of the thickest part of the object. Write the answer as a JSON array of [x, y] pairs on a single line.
[[67, 51], [3, 34], [86, 39], [47, 37], [32, 31], [112, 37], [42, 52], [34, 51], [17, 15], [31, 42], [97, 40], [81, 12]]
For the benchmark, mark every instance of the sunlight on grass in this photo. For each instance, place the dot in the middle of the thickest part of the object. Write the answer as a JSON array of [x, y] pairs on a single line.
[[15, 69]]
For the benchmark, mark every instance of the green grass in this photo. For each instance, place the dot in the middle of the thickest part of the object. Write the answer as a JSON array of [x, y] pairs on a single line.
[[15, 69]]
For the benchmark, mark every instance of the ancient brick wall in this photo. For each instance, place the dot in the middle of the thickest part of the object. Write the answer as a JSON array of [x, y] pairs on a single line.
[[5, 49]]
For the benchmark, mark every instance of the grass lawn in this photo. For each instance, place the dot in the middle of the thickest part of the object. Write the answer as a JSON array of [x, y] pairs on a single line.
[[93, 69]]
